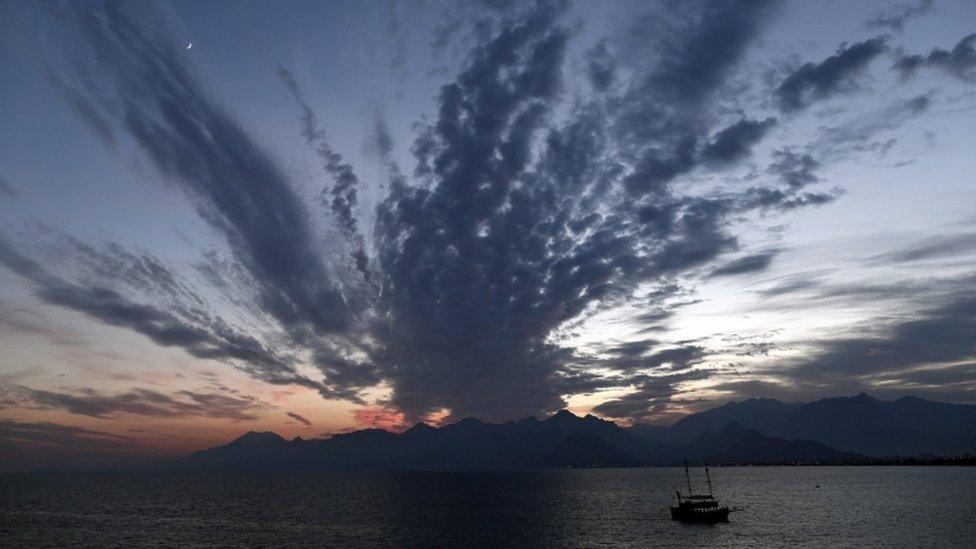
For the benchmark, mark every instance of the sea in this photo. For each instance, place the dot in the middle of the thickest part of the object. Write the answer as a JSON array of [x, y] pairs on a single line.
[[852, 506]]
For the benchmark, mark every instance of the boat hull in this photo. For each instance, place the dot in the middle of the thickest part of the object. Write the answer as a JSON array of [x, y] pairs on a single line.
[[710, 516]]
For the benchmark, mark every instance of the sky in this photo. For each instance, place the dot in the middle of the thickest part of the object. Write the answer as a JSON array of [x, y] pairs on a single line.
[[314, 217]]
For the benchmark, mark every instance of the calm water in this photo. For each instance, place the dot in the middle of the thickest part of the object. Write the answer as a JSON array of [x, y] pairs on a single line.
[[781, 506]]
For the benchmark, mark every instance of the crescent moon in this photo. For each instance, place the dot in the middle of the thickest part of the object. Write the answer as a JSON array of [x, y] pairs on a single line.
[[189, 45]]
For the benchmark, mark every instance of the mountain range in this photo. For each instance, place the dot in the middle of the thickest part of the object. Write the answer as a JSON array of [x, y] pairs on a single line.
[[756, 431], [909, 426]]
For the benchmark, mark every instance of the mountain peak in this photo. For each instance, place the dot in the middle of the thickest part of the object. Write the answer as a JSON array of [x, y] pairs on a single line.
[[564, 414], [466, 425], [419, 427], [257, 437]]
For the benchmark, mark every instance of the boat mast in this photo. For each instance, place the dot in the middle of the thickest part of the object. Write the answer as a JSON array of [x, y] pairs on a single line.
[[709, 478], [688, 478]]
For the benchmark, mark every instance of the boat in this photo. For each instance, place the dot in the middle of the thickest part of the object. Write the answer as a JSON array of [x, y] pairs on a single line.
[[698, 507]]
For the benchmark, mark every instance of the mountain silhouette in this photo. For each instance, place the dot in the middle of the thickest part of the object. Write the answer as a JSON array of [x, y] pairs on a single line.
[[735, 445], [756, 431], [562, 440], [909, 426], [580, 450]]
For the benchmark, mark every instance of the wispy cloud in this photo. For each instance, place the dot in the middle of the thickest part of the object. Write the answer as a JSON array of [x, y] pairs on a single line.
[[145, 402], [299, 419]]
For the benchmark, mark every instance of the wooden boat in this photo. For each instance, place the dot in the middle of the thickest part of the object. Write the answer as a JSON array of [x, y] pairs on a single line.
[[698, 507]]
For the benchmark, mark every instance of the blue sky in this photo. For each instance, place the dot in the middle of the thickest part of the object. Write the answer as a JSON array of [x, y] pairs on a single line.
[[628, 208]]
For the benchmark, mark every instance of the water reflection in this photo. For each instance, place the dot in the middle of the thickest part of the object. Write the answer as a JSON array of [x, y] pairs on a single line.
[[619, 508]]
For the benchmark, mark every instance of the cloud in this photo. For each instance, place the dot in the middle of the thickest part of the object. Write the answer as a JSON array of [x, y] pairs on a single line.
[[499, 248], [936, 247], [857, 134], [494, 202], [795, 169], [665, 113], [529, 210], [299, 419], [676, 358], [134, 74], [632, 348], [652, 397], [941, 333], [601, 67], [959, 62], [145, 402], [788, 199], [792, 284], [86, 110], [894, 17], [746, 264], [23, 321], [735, 142], [837, 74], [379, 417], [344, 191], [199, 333]]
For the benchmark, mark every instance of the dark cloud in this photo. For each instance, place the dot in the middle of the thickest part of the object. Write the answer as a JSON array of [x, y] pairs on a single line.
[[461, 260], [128, 67], [601, 67], [678, 358], [778, 199], [959, 62], [196, 331], [735, 142], [499, 247], [299, 419], [894, 17], [699, 45], [746, 264], [922, 347], [145, 402], [134, 74], [344, 191], [520, 219], [633, 358], [632, 349], [754, 348], [651, 398], [941, 333], [795, 169], [836, 74], [664, 115], [654, 316]]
